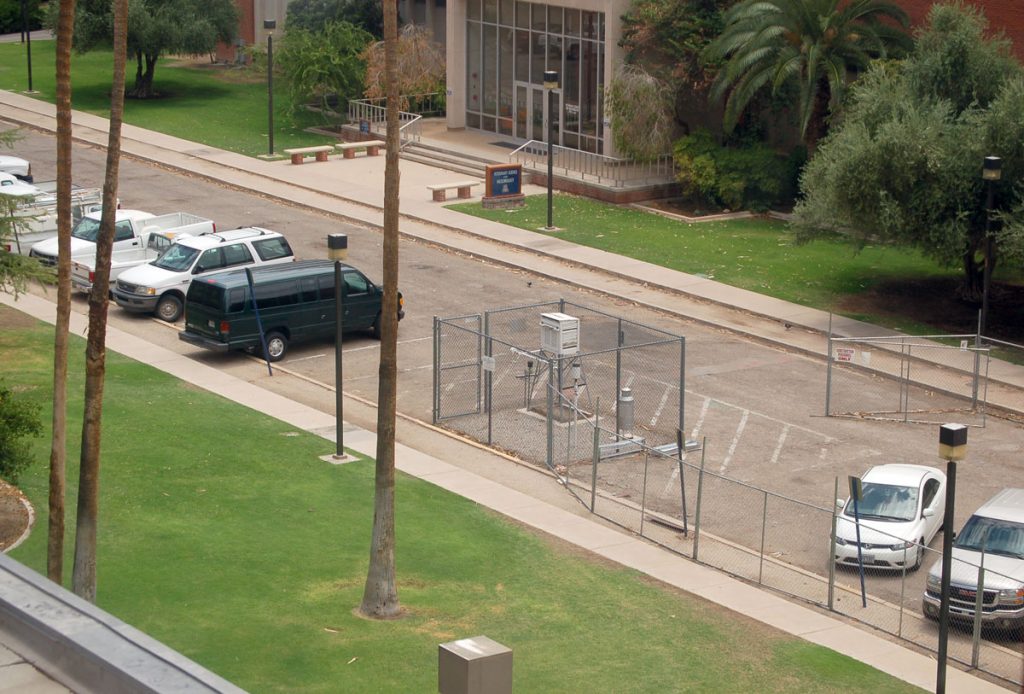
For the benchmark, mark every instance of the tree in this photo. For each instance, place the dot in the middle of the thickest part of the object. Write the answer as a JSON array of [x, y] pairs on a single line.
[[313, 15], [58, 442], [18, 419], [640, 108], [380, 594], [83, 577], [324, 65], [814, 45], [904, 166], [156, 27], [419, 64]]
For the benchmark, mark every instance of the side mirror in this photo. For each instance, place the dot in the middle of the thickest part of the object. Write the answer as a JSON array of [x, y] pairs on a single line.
[[840, 503], [928, 513]]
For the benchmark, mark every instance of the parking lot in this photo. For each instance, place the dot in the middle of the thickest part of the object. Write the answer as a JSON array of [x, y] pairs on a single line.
[[758, 408]]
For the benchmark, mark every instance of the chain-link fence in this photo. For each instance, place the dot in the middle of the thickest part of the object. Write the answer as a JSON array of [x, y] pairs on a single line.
[[909, 379]]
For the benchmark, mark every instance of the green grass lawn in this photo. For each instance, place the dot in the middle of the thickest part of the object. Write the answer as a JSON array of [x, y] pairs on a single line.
[[224, 107], [223, 535]]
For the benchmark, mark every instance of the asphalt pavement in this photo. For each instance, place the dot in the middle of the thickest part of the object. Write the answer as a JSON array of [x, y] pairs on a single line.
[[353, 189]]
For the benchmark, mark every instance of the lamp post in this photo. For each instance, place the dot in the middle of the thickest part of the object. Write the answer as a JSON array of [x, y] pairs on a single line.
[[269, 25], [337, 250], [27, 38], [990, 173], [550, 84], [952, 447]]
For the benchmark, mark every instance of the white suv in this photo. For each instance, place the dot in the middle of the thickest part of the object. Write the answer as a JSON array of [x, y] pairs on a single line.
[[159, 287]]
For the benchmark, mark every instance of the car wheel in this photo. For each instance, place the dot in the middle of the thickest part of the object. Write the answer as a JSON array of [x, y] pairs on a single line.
[[375, 328], [920, 556], [277, 346], [169, 308]]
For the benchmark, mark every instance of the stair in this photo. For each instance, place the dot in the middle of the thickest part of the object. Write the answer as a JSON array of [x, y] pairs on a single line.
[[459, 162]]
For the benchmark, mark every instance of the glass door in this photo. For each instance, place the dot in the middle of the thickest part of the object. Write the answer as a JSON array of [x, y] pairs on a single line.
[[531, 121]]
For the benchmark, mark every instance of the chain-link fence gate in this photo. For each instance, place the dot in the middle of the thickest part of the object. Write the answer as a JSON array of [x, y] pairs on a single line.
[[910, 379]]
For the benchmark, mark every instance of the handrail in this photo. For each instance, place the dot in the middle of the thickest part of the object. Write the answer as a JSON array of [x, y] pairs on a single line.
[[375, 116], [615, 171]]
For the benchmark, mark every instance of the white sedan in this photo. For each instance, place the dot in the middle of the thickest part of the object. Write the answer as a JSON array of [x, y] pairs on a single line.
[[901, 509], [16, 166]]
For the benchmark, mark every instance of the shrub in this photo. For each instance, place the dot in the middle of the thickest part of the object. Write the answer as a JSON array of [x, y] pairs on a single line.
[[18, 419], [746, 176], [10, 16]]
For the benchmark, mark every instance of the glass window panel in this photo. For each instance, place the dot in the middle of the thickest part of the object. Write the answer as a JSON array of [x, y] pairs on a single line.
[[507, 16], [589, 26], [419, 11], [539, 15], [473, 120], [490, 10], [506, 61], [487, 124], [571, 83], [570, 139], [473, 9], [572, 22], [523, 15], [600, 94], [505, 126], [523, 56], [537, 42], [600, 33], [554, 19], [473, 94], [589, 88], [554, 54], [489, 83]]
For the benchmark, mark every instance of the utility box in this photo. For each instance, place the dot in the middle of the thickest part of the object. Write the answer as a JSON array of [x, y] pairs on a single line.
[[476, 665], [559, 334]]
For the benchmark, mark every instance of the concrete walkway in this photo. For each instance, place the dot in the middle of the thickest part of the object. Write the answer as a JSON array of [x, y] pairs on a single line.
[[353, 189]]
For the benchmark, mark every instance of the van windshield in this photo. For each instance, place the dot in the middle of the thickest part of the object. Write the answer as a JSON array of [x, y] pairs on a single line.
[[992, 536], [177, 258], [87, 229]]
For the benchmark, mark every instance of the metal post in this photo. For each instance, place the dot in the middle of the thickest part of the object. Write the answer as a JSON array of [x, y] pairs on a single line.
[[269, 25], [339, 428], [643, 493], [549, 460], [682, 388], [979, 599], [764, 529], [618, 377], [860, 553], [488, 377], [947, 560], [828, 369], [700, 491], [551, 84], [28, 40], [436, 370], [259, 322], [596, 455], [680, 443], [832, 547], [987, 270]]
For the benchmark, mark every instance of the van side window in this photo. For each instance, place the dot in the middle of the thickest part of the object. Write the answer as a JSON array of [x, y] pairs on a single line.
[[931, 488], [307, 286], [355, 284], [274, 294], [270, 249], [123, 231], [236, 300], [236, 254], [211, 259], [326, 283]]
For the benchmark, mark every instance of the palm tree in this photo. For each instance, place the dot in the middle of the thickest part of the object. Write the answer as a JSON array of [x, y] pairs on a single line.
[[380, 594], [816, 44], [58, 445], [83, 576]]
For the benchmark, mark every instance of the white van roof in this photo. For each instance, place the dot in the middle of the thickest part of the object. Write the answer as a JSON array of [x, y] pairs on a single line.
[[1006, 505], [217, 238]]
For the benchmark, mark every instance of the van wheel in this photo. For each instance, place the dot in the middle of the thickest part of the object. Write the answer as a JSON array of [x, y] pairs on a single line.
[[277, 346], [920, 556], [169, 308], [375, 328]]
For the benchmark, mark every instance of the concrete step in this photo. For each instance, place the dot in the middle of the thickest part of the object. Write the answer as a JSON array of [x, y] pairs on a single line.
[[469, 165]]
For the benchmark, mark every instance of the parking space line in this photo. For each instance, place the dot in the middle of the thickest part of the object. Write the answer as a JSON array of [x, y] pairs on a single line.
[[700, 419], [661, 406], [778, 445], [735, 441]]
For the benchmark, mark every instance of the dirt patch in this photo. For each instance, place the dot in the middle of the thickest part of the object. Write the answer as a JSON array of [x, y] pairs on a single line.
[[14, 515]]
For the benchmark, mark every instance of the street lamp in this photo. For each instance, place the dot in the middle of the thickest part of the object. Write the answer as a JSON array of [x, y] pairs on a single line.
[[990, 173], [27, 38], [550, 84], [337, 250], [269, 25], [952, 447]]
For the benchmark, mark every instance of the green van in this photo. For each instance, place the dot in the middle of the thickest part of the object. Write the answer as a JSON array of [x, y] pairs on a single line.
[[295, 302]]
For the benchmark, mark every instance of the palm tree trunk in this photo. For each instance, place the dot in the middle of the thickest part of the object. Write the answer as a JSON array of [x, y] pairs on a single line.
[[58, 444], [380, 596], [83, 577]]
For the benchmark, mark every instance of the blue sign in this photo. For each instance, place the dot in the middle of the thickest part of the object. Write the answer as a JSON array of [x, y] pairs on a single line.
[[505, 181]]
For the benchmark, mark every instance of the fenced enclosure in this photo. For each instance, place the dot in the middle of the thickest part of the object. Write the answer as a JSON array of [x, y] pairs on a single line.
[[911, 379]]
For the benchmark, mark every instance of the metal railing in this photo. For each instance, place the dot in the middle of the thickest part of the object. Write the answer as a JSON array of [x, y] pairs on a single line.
[[373, 113], [606, 170]]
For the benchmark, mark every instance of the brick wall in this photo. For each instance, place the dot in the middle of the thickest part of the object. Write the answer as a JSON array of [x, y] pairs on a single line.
[[1007, 15]]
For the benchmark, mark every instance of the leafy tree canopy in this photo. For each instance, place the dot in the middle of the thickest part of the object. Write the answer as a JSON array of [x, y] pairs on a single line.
[[324, 65], [155, 27], [315, 15], [905, 164], [18, 418], [420, 63]]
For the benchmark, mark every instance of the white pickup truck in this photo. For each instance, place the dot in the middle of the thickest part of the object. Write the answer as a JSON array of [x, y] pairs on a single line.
[[16, 166], [83, 271], [131, 234], [38, 209]]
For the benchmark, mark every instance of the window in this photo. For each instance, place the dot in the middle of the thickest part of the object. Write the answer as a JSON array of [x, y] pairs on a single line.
[[123, 231], [208, 295], [212, 259], [307, 287], [355, 284], [236, 300], [237, 254], [272, 249], [931, 488], [177, 258], [326, 284], [273, 294]]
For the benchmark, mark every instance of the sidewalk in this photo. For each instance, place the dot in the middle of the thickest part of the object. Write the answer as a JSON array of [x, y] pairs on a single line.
[[619, 547], [353, 190]]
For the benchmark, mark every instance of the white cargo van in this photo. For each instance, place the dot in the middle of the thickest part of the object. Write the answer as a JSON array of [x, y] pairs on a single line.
[[159, 286]]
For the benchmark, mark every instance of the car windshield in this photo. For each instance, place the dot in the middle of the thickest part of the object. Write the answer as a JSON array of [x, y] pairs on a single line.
[[87, 228], [177, 258], [886, 502], [992, 536]]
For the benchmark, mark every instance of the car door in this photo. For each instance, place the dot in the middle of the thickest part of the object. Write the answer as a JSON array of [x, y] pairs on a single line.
[[932, 497], [362, 301], [125, 240]]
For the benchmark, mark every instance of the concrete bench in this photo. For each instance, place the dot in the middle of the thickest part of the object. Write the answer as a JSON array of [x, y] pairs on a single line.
[[349, 149], [299, 153], [439, 189]]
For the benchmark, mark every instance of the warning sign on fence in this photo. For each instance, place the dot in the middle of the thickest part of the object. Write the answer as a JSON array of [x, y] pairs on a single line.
[[844, 354]]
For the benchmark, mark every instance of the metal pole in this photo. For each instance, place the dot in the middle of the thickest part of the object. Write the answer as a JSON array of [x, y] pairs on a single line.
[[987, 276], [700, 491], [551, 414], [832, 556], [680, 443], [643, 494], [764, 529], [828, 369], [618, 378], [551, 153], [259, 322], [28, 40], [339, 429], [597, 454], [947, 560], [488, 377], [437, 364], [979, 599], [270, 92]]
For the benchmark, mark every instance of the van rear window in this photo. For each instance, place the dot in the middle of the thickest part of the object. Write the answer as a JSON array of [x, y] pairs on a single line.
[[208, 295], [272, 249]]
